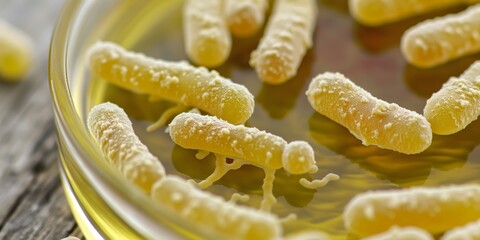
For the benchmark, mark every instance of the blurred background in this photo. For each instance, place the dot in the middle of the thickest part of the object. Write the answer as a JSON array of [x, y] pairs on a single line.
[[32, 203]]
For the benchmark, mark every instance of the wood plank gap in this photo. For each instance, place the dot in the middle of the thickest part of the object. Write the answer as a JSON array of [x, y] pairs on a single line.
[[14, 207]]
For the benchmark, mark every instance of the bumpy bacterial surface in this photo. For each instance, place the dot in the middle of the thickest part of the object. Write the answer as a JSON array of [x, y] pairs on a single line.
[[213, 213], [469, 231], [439, 40], [178, 82], [245, 17], [370, 57], [380, 12], [402, 233], [456, 104], [112, 130], [373, 121], [207, 40], [433, 209], [287, 37]]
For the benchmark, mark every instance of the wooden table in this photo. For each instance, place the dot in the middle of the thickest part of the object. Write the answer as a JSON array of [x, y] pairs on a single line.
[[32, 203]]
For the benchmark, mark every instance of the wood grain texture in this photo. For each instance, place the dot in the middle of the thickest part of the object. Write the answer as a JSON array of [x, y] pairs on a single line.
[[32, 204]]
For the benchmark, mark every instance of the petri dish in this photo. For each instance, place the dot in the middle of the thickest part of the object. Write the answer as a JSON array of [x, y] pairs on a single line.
[[106, 206]]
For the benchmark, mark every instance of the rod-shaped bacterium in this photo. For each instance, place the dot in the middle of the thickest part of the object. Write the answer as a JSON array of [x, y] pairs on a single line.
[[380, 12], [112, 130], [178, 82], [402, 233], [214, 213], [435, 209], [373, 121], [456, 104], [470, 231], [437, 41], [16, 53], [208, 133], [207, 39], [287, 37], [245, 145], [245, 17]]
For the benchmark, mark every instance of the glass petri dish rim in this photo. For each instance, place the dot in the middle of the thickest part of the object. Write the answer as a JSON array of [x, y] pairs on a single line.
[[136, 209]]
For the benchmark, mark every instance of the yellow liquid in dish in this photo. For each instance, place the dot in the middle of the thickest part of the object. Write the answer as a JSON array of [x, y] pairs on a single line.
[[371, 58]]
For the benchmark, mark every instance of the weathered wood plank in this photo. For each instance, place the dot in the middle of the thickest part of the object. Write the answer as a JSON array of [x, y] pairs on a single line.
[[15, 181], [43, 212], [13, 188]]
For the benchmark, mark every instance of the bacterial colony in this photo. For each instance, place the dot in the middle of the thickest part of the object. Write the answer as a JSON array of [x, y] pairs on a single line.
[[411, 213]]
